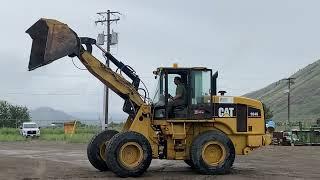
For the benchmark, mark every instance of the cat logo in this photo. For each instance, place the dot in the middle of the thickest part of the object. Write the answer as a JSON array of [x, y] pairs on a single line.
[[225, 112]]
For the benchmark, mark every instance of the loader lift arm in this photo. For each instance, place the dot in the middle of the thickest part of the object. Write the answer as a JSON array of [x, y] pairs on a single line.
[[112, 79], [53, 40], [128, 91]]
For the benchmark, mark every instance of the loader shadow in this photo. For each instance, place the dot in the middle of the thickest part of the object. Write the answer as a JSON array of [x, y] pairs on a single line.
[[237, 171], [185, 173], [176, 172]]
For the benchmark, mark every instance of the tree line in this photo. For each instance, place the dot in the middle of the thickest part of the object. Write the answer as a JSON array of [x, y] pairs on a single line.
[[12, 116]]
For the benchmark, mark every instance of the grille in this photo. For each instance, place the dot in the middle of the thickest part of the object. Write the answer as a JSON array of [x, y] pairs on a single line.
[[31, 132]]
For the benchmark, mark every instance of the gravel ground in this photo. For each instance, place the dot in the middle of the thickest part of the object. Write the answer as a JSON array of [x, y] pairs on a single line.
[[52, 160]]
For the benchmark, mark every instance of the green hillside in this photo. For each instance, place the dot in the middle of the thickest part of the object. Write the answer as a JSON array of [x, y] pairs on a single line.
[[305, 96]]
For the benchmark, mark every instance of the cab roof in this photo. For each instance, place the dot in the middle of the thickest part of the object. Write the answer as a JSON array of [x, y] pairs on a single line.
[[172, 69]]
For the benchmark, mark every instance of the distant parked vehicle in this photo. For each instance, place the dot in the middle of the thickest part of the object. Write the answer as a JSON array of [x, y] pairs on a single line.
[[284, 138], [30, 129], [289, 138]]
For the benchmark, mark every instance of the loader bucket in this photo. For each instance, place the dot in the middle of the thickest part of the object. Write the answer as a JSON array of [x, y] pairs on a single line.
[[52, 40]]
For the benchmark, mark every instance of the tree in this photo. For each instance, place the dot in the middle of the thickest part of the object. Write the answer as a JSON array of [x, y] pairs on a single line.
[[268, 113], [13, 116]]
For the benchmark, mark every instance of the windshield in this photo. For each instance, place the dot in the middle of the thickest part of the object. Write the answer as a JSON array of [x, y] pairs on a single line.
[[29, 126]]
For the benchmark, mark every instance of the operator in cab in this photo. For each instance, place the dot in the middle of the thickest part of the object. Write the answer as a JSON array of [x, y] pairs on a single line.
[[180, 98]]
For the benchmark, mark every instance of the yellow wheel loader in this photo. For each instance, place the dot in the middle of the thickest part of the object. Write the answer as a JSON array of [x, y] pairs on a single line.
[[206, 131]]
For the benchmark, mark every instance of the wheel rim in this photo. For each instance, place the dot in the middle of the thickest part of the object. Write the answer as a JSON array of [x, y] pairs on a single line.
[[213, 153], [131, 155], [102, 151]]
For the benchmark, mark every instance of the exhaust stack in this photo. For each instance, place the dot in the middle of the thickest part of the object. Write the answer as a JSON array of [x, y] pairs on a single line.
[[52, 40]]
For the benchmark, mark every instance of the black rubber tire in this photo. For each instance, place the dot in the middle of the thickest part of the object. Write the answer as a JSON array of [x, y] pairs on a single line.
[[93, 149], [196, 153], [190, 163], [113, 151]]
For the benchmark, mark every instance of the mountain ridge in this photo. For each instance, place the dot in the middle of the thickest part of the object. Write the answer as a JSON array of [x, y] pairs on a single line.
[[49, 114], [304, 95]]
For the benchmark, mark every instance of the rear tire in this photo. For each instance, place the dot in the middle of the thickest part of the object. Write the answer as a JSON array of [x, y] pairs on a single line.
[[212, 152], [96, 149], [129, 154]]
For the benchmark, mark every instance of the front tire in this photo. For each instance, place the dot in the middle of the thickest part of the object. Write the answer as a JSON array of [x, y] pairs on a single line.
[[212, 152], [96, 149], [129, 154]]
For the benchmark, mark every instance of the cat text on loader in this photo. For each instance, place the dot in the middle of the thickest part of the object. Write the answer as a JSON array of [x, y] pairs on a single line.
[[207, 131]]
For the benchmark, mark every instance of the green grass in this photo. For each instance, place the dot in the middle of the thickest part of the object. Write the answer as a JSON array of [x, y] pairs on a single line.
[[11, 137], [8, 131], [70, 138], [82, 134], [116, 126]]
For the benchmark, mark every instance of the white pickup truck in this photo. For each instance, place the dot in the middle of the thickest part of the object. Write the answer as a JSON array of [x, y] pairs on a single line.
[[30, 129]]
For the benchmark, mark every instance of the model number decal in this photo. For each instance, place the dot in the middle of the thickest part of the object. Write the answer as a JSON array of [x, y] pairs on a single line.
[[254, 112]]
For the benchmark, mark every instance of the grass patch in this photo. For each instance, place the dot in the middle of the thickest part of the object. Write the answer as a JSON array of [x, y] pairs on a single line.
[[11, 138], [83, 134], [9, 131], [70, 138]]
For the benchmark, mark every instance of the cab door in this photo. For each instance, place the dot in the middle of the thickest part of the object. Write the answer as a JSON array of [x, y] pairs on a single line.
[[170, 87], [201, 94]]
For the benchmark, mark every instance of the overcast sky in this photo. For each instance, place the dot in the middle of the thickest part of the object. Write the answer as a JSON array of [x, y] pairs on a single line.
[[251, 43]]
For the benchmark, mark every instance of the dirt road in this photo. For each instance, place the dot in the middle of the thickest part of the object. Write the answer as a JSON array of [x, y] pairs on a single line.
[[47, 160]]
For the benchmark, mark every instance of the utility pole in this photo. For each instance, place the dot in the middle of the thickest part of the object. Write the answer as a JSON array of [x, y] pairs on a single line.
[[290, 81], [106, 22]]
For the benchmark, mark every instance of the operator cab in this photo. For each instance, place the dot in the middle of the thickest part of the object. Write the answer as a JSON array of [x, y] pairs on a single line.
[[200, 86]]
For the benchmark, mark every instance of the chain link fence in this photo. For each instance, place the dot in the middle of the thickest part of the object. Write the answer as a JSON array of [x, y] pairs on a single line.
[[297, 125]]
